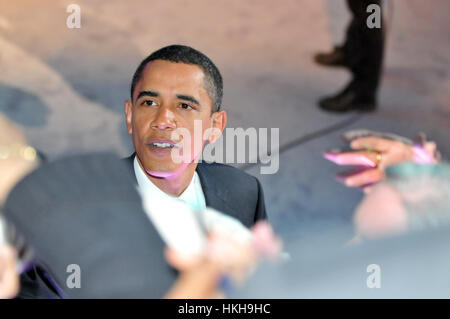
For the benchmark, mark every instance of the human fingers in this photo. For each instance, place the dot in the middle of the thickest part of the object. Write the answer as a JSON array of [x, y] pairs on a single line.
[[9, 278], [364, 178], [181, 261], [372, 142]]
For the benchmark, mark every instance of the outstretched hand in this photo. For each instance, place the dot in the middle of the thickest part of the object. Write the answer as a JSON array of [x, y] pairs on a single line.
[[9, 277], [375, 154], [200, 275]]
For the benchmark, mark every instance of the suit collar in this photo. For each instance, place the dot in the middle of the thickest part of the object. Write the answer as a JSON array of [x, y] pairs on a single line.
[[130, 163], [215, 195]]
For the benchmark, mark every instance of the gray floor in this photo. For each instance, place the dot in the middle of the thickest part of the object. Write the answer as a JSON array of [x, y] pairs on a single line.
[[66, 87]]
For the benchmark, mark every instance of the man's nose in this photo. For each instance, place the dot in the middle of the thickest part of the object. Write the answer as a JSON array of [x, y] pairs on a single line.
[[165, 119]]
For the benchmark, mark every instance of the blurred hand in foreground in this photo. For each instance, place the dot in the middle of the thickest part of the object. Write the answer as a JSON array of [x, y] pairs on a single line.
[[226, 261], [9, 277], [16, 158], [375, 153]]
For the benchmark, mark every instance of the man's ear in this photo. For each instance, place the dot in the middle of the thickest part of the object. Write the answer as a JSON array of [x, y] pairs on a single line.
[[219, 121], [129, 115]]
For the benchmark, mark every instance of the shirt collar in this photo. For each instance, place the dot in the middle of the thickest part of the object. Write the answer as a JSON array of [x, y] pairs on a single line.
[[192, 195]]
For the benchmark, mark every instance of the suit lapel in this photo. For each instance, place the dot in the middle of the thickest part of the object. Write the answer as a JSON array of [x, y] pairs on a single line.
[[215, 196], [130, 163]]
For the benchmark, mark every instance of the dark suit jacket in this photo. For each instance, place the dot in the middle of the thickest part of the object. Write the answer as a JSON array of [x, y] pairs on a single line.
[[230, 191], [85, 210], [100, 181]]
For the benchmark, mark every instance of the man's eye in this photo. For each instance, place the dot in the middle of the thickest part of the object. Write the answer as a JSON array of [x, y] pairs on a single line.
[[149, 103], [185, 106]]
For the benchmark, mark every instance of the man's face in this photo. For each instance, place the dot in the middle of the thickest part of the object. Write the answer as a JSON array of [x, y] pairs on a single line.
[[168, 97]]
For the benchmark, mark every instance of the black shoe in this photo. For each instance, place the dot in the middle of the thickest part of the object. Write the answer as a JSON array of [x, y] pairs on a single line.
[[334, 58], [348, 100]]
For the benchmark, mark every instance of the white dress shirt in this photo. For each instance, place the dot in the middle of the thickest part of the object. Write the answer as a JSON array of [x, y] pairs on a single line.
[[192, 195], [183, 222]]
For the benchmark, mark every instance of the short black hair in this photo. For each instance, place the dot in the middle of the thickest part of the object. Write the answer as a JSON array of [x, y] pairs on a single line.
[[188, 55]]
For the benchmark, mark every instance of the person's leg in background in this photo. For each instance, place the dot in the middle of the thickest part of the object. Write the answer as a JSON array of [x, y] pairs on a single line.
[[362, 53]]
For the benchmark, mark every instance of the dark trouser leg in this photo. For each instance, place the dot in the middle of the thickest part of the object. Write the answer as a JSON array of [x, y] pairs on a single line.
[[364, 49], [363, 52]]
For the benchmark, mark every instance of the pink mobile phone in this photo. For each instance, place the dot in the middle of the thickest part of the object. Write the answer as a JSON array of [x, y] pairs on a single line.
[[351, 157]]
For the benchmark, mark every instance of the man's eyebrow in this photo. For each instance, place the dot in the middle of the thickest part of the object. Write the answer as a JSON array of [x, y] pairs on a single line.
[[147, 93], [188, 98]]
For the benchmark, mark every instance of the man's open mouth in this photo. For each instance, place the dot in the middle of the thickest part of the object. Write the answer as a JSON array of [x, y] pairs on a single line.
[[162, 145]]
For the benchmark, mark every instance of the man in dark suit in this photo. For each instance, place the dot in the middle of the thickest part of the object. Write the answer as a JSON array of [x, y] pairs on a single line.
[[91, 237], [177, 88], [176, 93]]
